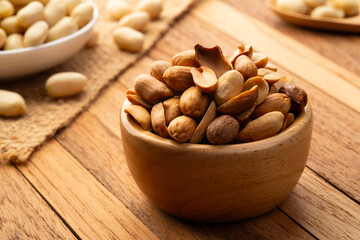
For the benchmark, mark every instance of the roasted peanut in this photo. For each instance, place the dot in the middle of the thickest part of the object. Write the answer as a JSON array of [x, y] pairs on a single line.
[[54, 11], [271, 67], [151, 89], [262, 127], [297, 95], [158, 122], [186, 58], [263, 71], [135, 20], [152, 7], [118, 8], [14, 41], [204, 78], [65, 84], [263, 88], [288, 120], [222, 130], [137, 100], [239, 103], [62, 28], [193, 102], [208, 117], [245, 115], [12, 104], [36, 34], [172, 109], [246, 50], [2, 37], [272, 78], [6, 9], [229, 85], [178, 78], [82, 14], [30, 14], [245, 66], [260, 59], [129, 39], [182, 128], [274, 102], [158, 69], [141, 115], [212, 58]]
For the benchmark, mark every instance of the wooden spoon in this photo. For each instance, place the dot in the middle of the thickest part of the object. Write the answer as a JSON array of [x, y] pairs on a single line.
[[349, 24]]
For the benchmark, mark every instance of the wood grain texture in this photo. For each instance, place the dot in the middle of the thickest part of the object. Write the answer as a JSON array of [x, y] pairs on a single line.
[[23, 213], [91, 210]]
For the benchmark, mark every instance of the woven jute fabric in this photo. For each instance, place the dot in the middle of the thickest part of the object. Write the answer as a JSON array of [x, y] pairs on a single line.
[[19, 137]]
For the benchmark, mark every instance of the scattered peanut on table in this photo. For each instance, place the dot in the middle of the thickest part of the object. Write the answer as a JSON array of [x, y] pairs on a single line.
[[203, 97]]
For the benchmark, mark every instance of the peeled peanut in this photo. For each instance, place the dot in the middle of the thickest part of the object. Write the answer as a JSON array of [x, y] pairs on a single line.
[[93, 39], [182, 128], [135, 20], [351, 7], [245, 66], [36, 34], [70, 5], [6, 9], [11, 25], [158, 69], [14, 41], [314, 3], [82, 14], [274, 102], [293, 5], [30, 14], [271, 67], [229, 85], [208, 117], [129, 39], [172, 109], [260, 59], [263, 88], [2, 37], [246, 50], [263, 71], [151, 89], [245, 115], [193, 102], [204, 78], [158, 122], [140, 114], [178, 78], [137, 100], [118, 8], [54, 11], [240, 102], [288, 120], [64, 27], [327, 12], [65, 84], [222, 130], [262, 127], [152, 7], [272, 78], [297, 95], [12, 104], [186, 58]]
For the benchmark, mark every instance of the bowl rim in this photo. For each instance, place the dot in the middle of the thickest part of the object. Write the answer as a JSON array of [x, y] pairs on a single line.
[[79, 32], [301, 122]]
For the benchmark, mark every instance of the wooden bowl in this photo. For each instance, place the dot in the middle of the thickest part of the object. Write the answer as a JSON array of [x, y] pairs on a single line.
[[209, 183], [349, 24]]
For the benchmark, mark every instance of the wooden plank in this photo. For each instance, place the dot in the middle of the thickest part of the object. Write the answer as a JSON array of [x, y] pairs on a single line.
[[335, 145], [24, 214], [303, 61], [87, 206], [94, 139], [337, 217]]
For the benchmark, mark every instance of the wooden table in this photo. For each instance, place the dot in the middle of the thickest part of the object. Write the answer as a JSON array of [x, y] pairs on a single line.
[[78, 184]]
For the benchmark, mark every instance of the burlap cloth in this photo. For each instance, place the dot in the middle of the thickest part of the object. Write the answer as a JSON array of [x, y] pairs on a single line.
[[19, 137]]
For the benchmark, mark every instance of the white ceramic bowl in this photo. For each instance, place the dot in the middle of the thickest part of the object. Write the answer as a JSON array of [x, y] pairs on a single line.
[[26, 61]]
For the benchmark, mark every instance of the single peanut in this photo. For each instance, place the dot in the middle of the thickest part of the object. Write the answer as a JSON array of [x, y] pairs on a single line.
[[135, 20], [14, 41], [82, 14], [36, 34], [118, 8], [151, 89], [141, 115], [272, 78], [158, 122], [245, 66], [137, 100], [246, 50], [30, 14], [158, 69], [182, 128], [204, 78], [327, 12], [208, 117], [274, 102], [351, 7], [297, 95], [222, 130], [11, 25], [172, 109], [65, 84], [152, 7], [2, 37], [288, 120], [62, 28], [263, 88], [129, 39], [193, 102], [229, 85], [6, 9], [260, 59], [245, 115], [54, 11], [178, 78], [12, 104], [186, 58], [293, 5]]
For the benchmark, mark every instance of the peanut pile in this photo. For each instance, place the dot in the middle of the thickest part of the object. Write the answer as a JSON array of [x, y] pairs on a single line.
[[202, 97]]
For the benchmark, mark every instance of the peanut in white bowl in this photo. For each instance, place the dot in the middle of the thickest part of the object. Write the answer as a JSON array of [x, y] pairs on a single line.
[[26, 61]]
